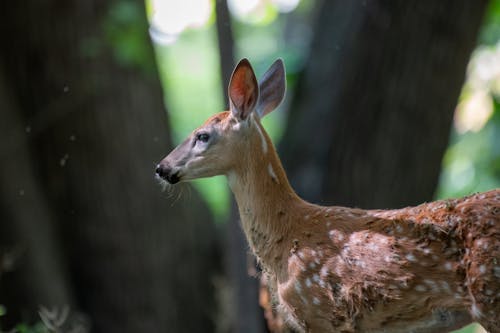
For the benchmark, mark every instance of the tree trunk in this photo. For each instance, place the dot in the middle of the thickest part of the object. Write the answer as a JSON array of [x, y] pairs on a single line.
[[29, 244], [226, 44], [83, 76], [372, 113]]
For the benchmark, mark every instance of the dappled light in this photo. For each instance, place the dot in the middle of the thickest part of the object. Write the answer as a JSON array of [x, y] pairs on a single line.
[[169, 18], [481, 88], [472, 161]]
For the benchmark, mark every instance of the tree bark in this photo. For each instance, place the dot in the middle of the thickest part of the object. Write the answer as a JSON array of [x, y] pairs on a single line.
[[226, 44], [29, 244], [373, 108], [83, 76]]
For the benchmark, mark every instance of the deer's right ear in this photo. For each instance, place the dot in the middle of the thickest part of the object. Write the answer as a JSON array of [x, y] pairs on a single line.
[[243, 90]]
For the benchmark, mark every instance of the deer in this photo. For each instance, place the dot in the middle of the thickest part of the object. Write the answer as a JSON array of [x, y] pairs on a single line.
[[429, 268]]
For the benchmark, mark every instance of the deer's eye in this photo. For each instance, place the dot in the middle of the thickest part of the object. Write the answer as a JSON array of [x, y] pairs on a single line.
[[203, 137]]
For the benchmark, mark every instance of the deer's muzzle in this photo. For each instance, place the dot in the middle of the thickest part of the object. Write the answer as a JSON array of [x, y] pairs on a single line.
[[165, 172]]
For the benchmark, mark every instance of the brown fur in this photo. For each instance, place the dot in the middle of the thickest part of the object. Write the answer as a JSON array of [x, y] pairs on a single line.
[[341, 269], [430, 268]]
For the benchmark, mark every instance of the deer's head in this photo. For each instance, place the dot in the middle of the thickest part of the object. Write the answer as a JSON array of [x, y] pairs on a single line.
[[216, 146]]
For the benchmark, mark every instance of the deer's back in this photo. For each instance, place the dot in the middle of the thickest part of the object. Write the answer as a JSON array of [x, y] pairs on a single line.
[[422, 268]]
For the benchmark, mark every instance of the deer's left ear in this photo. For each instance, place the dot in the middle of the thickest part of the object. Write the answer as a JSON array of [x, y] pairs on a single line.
[[243, 90], [272, 88]]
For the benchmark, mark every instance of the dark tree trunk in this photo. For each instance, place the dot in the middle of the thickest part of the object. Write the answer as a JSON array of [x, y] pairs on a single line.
[[373, 109], [30, 252], [83, 77], [226, 44]]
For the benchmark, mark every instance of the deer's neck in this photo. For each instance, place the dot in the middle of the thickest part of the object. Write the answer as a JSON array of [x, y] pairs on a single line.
[[266, 201]]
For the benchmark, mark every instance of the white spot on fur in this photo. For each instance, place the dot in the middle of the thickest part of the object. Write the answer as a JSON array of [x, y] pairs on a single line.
[[308, 283], [474, 309], [324, 271], [432, 285], [445, 286], [316, 301], [411, 257], [373, 247], [383, 240], [316, 278], [420, 288], [298, 287], [336, 235], [448, 266], [272, 173], [361, 264], [496, 271], [482, 269], [312, 265]]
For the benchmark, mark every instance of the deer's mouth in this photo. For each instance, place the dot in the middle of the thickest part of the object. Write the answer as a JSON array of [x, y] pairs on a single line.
[[173, 178]]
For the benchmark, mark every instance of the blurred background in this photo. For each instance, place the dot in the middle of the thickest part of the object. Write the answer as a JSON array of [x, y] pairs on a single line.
[[389, 104]]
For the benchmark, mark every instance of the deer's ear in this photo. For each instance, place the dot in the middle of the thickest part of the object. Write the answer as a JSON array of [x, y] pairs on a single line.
[[243, 90], [272, 88]]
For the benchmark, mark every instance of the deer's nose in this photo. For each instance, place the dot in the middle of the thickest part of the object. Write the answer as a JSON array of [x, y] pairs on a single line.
[[165, 172], [160, 171]]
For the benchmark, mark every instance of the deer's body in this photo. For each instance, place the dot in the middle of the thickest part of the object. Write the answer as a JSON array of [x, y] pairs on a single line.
[[430, 268]]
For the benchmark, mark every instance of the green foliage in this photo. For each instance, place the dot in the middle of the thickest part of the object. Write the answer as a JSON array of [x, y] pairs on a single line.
[[491, 30], [472, 162], [125, 29], [36, 328], [189, 70], [473, 328]]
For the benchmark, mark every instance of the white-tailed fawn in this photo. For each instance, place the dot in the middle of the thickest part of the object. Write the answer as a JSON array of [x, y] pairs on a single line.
[[429, 268]]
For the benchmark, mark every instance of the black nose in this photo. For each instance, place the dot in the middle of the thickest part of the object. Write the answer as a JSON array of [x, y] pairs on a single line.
[[166, 173], [160, 171]]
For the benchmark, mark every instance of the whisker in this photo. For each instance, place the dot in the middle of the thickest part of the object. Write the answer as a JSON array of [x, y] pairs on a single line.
[[179, 194], [165, 186]]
